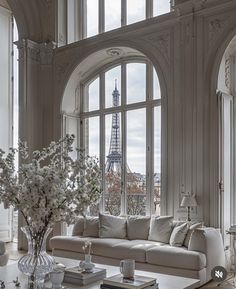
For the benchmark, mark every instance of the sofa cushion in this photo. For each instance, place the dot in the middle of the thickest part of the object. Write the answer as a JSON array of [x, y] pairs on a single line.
[[122, 249], [91, 227], [69, 243], [78, 228], [160, 229], [192, 227], [176, 257], [138, 227], [112, 227], [178, 235]]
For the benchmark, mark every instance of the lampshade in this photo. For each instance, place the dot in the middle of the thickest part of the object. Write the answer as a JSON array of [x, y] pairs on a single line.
[[188, 201]]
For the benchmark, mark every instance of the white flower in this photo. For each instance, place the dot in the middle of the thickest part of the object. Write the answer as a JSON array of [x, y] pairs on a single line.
[[46, 194]]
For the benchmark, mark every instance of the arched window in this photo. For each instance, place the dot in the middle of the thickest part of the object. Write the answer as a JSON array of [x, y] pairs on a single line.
[[120, 123], [87, 18]]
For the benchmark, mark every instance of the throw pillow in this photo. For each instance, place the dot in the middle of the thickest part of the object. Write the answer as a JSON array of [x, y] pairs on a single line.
[[192, 227], [160, 229], [91, 227], [178, 235], [112, 227], [138, 227], [78, 228]]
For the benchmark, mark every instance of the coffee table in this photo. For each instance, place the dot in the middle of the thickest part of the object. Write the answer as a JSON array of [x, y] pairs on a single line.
[[10, 272]]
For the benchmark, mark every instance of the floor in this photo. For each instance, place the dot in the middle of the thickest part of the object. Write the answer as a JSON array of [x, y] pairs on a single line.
[[15, 254]]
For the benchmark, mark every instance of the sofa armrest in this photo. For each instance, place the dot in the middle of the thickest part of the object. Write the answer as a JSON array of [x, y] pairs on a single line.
[[208, 241]]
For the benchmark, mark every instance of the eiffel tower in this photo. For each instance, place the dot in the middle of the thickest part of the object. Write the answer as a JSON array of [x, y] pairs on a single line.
[[114, 158]]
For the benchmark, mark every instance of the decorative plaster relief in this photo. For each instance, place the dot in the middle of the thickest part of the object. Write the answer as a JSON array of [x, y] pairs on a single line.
[[46, 52], [38, 52], [61, 70], [162, 42], [215, 27], [227, 73]]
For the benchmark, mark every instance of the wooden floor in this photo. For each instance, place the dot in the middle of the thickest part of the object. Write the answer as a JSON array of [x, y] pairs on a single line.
[[14, 255]]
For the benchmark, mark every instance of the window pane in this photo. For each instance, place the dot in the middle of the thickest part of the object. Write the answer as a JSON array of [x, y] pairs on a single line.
[[161, 7], [92, 17], [136, 82], [136, 10], [136, 162], [113, 160], [72, 125], [92, 136], [112, 14], [156, 86], [91, 100], [157, 159], [112, 80]]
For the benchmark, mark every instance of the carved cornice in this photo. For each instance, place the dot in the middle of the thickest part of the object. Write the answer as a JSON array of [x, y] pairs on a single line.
[[42, 53], [46, 52]]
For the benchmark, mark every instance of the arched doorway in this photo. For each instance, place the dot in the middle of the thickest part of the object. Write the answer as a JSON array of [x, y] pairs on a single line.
[[112, 103]]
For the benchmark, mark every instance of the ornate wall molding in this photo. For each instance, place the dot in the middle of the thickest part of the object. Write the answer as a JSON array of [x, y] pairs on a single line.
[[61, 70], [42, 53], [215, 27], [162, 43], [227, 73]]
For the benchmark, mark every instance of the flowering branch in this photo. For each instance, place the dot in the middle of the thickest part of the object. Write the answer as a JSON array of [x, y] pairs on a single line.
[[51, 187], [87, 247]]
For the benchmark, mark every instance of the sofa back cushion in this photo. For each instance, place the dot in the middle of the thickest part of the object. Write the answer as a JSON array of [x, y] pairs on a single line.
[[112, 227], [138, 227], [91, 227], [178, 235], [160, 229], [78, 228], [192, 227]]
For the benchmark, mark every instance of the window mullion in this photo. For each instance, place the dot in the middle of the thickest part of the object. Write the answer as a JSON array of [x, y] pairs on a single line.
[[82, 19], [124, 141], [101, 16], [149, 8], [152, 159], [102, 138], [123, 12], [83, 93], [84, 15]]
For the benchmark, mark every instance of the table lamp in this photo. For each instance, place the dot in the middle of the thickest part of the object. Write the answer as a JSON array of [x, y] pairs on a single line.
[[189, 201]]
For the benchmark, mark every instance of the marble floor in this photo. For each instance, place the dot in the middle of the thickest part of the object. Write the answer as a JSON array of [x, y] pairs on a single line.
[[15, 254]]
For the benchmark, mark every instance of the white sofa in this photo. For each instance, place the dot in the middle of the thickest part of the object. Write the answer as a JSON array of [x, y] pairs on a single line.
[[205, 248]]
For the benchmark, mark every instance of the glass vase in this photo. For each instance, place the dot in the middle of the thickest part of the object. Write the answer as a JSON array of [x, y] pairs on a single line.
[[36, 263]]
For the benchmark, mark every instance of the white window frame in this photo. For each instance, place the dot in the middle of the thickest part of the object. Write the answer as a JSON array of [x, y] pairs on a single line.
[[78, 18], [149, 104]]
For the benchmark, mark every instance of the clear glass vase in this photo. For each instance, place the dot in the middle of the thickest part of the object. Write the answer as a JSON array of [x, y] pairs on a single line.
[[36, 263]]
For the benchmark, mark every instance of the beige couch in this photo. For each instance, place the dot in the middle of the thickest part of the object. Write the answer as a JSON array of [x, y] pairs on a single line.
[[204, 248]]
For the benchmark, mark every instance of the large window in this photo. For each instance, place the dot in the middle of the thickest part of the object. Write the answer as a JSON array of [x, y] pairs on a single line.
[[120, 123], [90, 17]]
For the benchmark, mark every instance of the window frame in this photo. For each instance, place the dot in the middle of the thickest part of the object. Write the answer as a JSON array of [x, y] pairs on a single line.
[[79, 18], [150, 103]]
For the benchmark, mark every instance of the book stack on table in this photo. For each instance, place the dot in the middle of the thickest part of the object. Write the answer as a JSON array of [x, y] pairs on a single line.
[[75, 275], [139, 282]]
